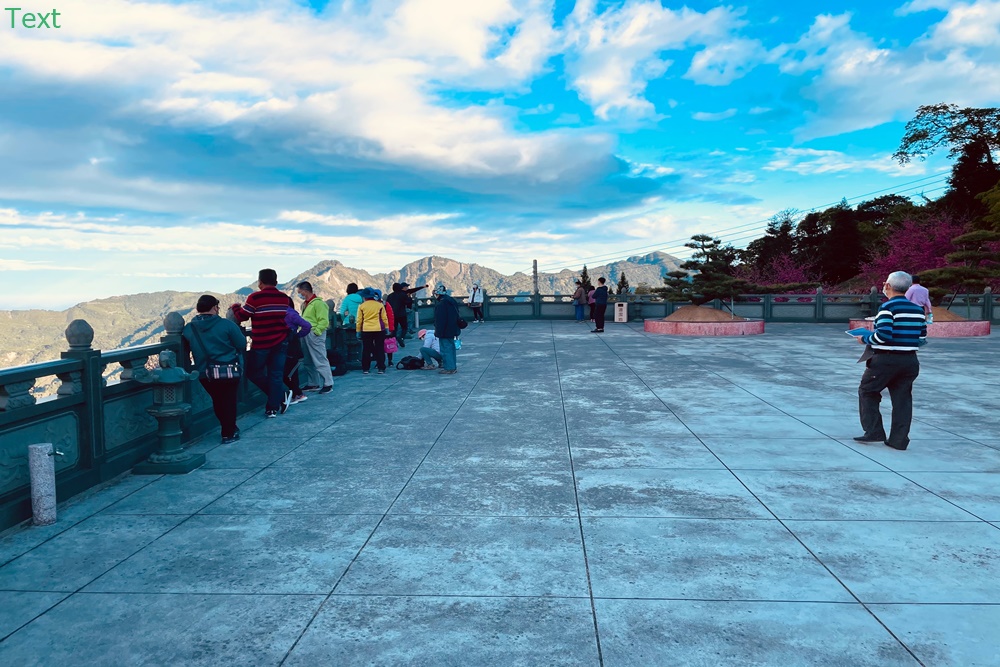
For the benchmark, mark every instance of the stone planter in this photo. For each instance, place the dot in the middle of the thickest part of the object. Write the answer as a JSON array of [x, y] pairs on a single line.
[[964, 329], [734, 328]]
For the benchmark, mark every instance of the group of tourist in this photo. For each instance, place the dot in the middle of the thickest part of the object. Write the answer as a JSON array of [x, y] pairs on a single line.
[[595, 297], [282, 338]]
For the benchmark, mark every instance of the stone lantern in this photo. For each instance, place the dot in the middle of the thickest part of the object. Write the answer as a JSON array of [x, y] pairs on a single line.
[[168, 409]]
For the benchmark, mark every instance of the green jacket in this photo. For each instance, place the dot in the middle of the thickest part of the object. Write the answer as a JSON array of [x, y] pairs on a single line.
[[317, 313]]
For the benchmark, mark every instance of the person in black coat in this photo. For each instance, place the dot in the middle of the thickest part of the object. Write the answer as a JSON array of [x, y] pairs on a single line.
[[600, 305], [446, 328]]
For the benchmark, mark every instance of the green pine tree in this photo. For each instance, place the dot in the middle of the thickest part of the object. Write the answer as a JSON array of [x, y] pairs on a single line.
[[623, 286], [585, 277]]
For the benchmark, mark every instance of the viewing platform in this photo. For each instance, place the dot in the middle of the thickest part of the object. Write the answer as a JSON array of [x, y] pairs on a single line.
[[566, 498]]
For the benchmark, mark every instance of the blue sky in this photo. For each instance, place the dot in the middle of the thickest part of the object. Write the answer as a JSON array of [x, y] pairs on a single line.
[[184, 145]]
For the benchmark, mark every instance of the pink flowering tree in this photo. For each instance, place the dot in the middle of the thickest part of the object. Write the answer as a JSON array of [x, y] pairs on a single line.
[[915, 246]]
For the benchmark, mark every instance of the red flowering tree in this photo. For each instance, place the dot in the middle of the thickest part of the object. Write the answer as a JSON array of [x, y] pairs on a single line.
[[915, 246]]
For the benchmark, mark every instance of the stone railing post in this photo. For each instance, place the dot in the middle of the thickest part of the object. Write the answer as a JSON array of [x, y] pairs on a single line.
[[90, 382], [169, 409], [988, 304], [820, 304]]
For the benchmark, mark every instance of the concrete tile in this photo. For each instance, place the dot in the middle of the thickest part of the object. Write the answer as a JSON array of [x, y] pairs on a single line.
[[666, 426], [755, 428], [788, 454], [977, 492], [847, 495], [527, 451], [252, 455], [882, 561], [847, 426], [206, 630], [430, 632], [180, 494], [83, 553], [933, 455], [20, 607], [627, 451], [244, 554], [488, 492], [646, 632], [422, 555], [703, 494], [317, 454], [704, 559], [341, 490], [946, 634]]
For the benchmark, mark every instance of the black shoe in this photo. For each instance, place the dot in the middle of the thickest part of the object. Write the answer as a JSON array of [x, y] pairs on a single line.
[[900, 449], [868, 438], [270, 414], [310, 387], [597, 331], [402, 342], [327, 389], [230, 440]]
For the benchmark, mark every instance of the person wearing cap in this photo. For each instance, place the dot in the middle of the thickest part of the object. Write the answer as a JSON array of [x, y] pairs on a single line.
[[476, 297], [372, 324], [211, 339], [317, 314], [431, 350], [446, 328]]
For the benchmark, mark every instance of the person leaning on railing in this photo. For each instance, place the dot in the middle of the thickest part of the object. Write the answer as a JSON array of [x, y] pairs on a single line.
[[214, 340]]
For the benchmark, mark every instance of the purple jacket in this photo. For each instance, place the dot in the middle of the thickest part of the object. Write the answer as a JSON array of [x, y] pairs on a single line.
[[296, 324]]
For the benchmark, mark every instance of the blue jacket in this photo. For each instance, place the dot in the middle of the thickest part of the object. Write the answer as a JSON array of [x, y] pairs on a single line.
[[446, 318], [222, 342]]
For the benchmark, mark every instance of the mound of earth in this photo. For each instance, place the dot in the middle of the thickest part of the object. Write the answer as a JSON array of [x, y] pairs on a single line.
[[945, 315], [704, 314]]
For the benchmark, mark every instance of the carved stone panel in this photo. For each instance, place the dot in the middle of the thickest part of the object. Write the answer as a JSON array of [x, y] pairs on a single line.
[[62, 431], [126, 419]]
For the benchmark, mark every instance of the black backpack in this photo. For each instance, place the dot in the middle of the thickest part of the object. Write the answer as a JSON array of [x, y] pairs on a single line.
[[338, 366], [410, 364]]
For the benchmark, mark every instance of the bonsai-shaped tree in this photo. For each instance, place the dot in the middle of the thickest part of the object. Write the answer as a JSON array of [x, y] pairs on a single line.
[[623, 286], [585, 277], [974, 266], [713, 277]]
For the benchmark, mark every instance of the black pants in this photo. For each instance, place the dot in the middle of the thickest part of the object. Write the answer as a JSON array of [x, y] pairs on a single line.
[[599, 310], [593, 309], [896, 372], [372, 347], [223, 393], [477, 313]]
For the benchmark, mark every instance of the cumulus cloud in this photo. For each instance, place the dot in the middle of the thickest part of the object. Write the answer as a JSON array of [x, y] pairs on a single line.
[[721, 64], [809, 161]]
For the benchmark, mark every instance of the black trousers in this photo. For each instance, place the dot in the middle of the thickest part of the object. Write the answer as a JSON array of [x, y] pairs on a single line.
[[599, 310], [896, 372], [372, 347], [477, 313], [223, 393]]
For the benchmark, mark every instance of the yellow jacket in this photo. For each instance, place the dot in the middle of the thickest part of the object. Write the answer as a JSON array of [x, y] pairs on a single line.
[[372, 317]]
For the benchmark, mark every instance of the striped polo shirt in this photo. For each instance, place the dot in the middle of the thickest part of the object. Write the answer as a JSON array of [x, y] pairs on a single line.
[[899, 326], [266, 311]]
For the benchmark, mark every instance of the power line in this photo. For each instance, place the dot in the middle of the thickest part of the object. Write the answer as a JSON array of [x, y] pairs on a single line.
[[755, 226]]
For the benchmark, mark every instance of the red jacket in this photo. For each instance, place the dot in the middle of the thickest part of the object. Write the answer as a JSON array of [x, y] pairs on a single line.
[[392, 319]]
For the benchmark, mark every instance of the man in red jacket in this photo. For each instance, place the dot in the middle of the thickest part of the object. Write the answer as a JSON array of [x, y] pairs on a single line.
[[266, 311]]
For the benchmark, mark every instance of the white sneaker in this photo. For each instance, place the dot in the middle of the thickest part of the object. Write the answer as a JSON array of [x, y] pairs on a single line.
[[287, 402]]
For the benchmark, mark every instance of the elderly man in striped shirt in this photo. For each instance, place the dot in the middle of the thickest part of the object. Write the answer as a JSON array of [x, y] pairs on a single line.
[[900, 329]]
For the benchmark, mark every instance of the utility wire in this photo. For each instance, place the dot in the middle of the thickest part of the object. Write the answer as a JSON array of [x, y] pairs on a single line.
[[740, 230]]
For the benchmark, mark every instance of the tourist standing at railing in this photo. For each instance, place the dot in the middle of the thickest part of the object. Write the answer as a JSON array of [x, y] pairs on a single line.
[[590, 299], [579, 301], [397, 300], [214, 340], [476, 299], [298, 329], [372, 325], [600, 296], [349, 306], [317, 314], [446, 329], [900, 329], [266, 310], [919, 295]]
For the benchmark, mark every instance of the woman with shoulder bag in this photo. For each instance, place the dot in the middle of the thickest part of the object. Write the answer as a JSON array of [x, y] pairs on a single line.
[[217, 345]]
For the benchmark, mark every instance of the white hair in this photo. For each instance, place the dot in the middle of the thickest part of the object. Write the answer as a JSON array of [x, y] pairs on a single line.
[[900, 281]]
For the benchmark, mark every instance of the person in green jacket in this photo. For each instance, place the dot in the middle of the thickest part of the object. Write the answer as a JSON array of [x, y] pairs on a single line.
[[317, 313], [215, 340]]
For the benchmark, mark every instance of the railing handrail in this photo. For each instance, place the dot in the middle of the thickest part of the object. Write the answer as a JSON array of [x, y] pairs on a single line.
[[39, 370], [136, 352]]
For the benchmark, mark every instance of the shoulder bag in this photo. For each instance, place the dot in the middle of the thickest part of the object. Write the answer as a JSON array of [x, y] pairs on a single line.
[[215, 371]]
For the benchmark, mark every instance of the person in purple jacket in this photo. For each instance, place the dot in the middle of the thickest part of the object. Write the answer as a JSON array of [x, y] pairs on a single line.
[[297, 329]]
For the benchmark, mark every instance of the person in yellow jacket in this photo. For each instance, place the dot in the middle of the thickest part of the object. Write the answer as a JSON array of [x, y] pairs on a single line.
[[372, 325], [317, 313]]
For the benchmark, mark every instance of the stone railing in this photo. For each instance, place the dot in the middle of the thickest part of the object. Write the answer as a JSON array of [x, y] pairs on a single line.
[[101, 428], [816, 308]]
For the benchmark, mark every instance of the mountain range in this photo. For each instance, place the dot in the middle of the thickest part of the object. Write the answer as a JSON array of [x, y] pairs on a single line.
[[31, 336]]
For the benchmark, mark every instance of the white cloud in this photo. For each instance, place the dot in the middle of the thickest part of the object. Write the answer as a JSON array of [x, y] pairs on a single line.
[[615, 53], [721, 64], [809, 162], [710, 117]]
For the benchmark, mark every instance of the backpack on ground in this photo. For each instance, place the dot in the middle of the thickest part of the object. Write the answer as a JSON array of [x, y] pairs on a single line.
[[410, 364], [338, 365]]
